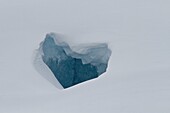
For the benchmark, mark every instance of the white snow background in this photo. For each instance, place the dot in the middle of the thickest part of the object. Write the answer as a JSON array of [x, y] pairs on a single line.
[[138, 76]]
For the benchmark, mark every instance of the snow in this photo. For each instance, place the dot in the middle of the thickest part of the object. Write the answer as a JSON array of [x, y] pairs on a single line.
[[138, 76]]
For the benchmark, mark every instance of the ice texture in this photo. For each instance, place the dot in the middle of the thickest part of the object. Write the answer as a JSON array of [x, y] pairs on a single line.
[[73, 66]]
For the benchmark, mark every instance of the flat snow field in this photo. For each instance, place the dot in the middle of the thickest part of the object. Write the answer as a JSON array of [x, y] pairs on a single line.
[[137, 79]]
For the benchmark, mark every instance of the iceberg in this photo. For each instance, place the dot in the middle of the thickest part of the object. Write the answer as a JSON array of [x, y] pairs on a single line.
[[74, 65]]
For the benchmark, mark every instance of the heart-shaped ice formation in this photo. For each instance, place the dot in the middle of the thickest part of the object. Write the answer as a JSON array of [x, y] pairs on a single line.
[[70, 67]]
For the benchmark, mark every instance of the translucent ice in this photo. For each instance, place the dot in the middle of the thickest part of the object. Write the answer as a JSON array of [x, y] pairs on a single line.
[[72, 66]]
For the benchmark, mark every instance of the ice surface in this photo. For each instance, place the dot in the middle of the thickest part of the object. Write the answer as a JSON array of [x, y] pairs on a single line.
[[73, 67], [137, 78]]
